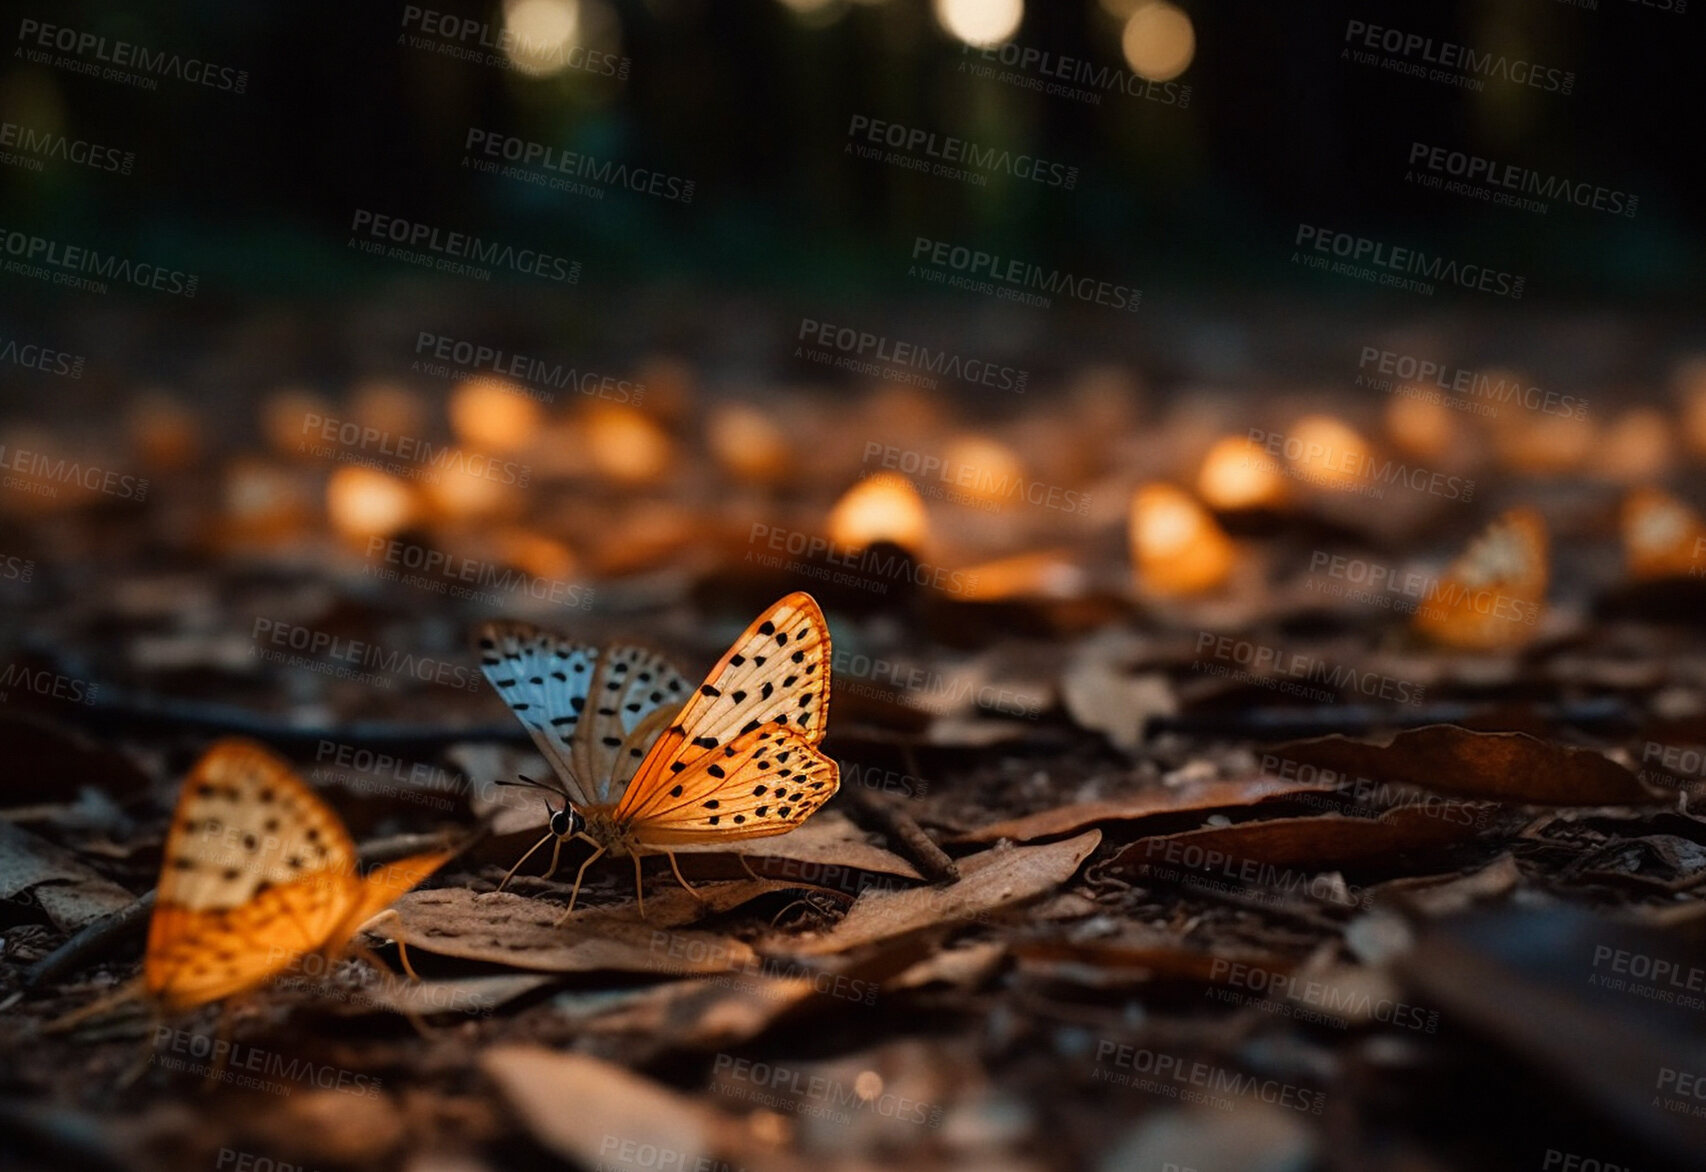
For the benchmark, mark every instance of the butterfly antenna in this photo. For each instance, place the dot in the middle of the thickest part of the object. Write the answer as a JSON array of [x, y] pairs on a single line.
[[523, 859], [521, 779]]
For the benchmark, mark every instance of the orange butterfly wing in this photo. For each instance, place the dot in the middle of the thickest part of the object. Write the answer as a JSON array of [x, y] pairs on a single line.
[[766, 781], [258, 872], [759, 715], [1492, 596]]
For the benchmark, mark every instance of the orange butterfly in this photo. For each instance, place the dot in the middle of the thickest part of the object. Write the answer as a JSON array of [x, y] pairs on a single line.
[[258, 873], [1662, 537], [1493, 595], [644, 765]]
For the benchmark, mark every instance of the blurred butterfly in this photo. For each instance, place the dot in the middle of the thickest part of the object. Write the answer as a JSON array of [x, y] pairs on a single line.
[[644, 763], [1662, 537], [1493, 594], [258, 873]]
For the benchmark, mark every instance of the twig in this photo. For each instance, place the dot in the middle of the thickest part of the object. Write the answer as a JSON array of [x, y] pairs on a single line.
[[92, 941], [904, 832]]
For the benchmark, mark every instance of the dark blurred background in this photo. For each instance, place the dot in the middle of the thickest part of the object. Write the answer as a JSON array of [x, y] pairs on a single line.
[[1193, 198]]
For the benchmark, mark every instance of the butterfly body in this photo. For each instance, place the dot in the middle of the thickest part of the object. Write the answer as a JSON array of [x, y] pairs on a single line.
[[648, 764]]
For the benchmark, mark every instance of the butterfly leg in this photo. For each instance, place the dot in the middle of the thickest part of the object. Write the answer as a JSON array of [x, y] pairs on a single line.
[[524, 858], [691, 890], [746, 866], [575, 894], [392, 913], [639, 892]]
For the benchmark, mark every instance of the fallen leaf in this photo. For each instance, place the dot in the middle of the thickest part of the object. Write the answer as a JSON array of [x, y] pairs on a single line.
[[598, 1114], [993, 879], [1147, 803], [506, 929], [1314, 843], [1509, 767], [69, 892]]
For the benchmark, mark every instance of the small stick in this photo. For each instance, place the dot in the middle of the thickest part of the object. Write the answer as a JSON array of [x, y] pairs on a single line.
[[92, 941], [904, 831]]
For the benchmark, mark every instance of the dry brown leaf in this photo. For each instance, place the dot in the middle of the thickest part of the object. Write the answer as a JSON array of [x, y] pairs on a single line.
[[506, 929], [1147, 803], [1106, 699], [70, 893], [1314, 843], [993, 879], [1502, 766], [600, 1115], [708, 1014], [1446, 895]]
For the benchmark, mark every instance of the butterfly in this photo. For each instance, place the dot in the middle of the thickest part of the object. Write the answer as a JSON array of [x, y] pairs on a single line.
[[1662, 537], [1493, 594], [258, 873], [645, 763]]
